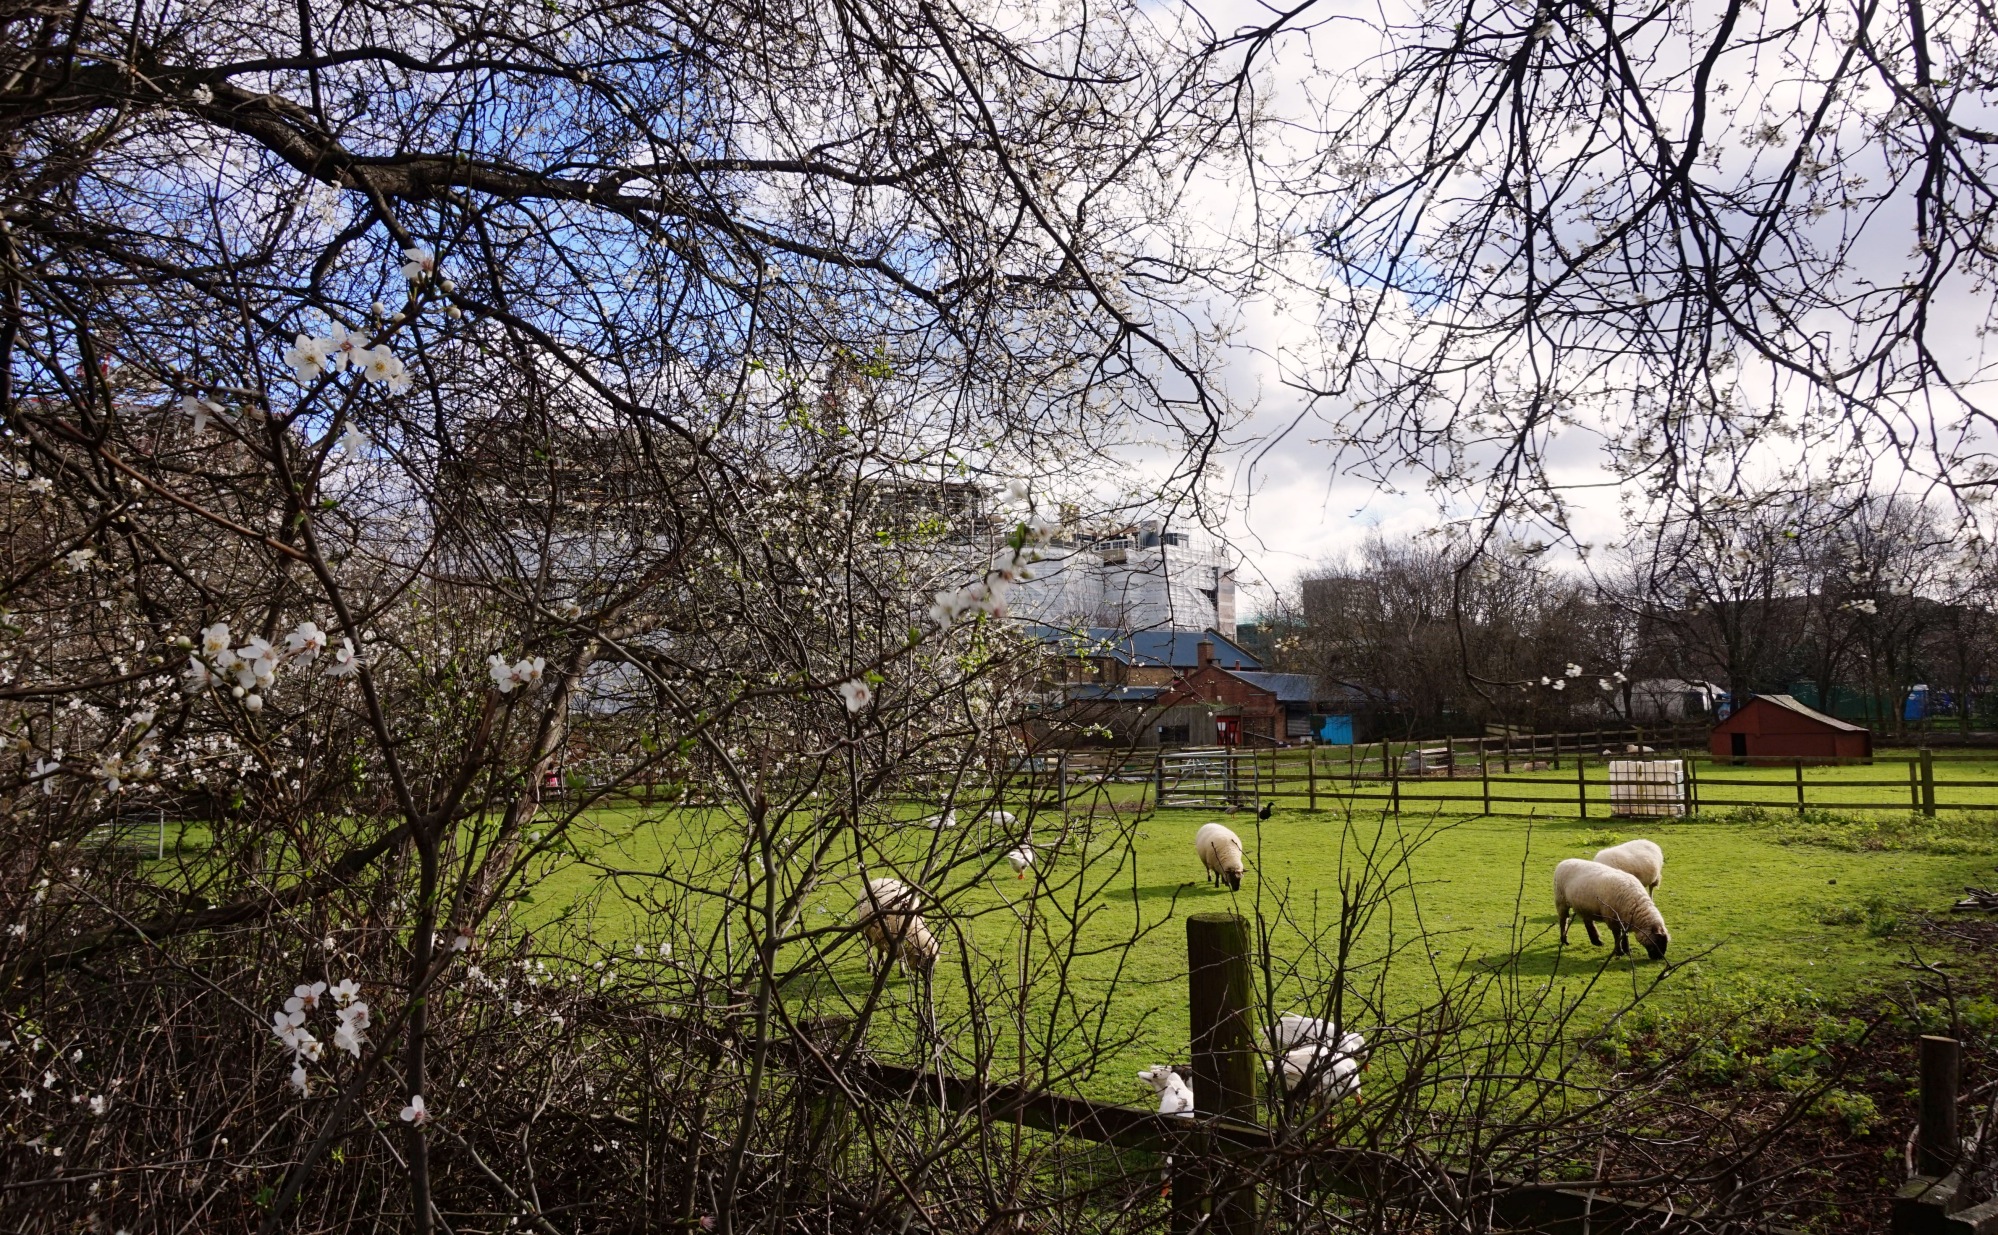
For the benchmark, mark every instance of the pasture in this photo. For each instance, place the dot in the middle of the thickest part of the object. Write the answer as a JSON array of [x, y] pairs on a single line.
[[1086, 958]]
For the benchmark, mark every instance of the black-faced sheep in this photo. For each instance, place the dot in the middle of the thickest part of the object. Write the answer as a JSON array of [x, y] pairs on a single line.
[[1606, 894]]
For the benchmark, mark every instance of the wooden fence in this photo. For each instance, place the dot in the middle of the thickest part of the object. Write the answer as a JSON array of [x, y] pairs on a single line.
[[1221, 1154], [1535, 774]]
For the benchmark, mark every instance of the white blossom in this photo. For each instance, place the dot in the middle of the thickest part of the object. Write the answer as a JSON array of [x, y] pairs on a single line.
[[215, 640], [415, 1113], [99, 1104], [346, 990], [352, 444], [421, 264], [45, 771], [349, 1039], [115, 769], [344, 663], [79, 561], [377, 364], [857, 693], [305, 642], [199, 411], [344, 348], [301, 1081], [309, 358]]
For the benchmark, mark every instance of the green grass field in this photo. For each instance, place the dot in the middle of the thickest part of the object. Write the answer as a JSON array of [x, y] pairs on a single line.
[[1763, 902]]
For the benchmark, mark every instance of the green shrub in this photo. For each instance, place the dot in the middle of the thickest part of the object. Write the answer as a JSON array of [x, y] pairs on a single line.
[[1858, 1110], [1910, 832]]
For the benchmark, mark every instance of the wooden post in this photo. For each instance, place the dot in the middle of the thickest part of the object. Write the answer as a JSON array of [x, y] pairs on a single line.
[[1928, 782], [1311, 774], [1914, 793], [1394, 780], [1936, 1144], [1581, 787], [1224, 1050], [1158, 776], [1485, 772], [1557, 752], [1800, 784]]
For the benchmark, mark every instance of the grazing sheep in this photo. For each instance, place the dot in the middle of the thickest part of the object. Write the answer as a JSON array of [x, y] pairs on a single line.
[[1220, 852], [1317, 1071], [948, 819], [1175, 1095], [889, 921], [1022, 858], [1641, 858], [1292, 1031], [1311, 1063], [1604, 893]]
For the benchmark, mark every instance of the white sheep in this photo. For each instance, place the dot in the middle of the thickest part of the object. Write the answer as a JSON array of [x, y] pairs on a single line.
[[1316, 1070], [1175, 1095], [1305, 1049], [1640, 857], [889, 921], [1022, 858], [1220, 852], [1604, 893], [1292, 1031]]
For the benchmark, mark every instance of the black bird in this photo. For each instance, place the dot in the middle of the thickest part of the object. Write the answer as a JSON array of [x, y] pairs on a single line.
[[1264, 813]]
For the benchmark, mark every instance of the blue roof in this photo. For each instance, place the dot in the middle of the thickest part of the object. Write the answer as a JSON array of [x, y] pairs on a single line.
[[1179, 649]]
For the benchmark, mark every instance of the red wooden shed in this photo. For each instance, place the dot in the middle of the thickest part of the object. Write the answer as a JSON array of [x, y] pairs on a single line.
[[1779, 727]]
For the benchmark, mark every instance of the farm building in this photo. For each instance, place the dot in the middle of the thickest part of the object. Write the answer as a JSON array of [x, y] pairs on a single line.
[[1779, 727]]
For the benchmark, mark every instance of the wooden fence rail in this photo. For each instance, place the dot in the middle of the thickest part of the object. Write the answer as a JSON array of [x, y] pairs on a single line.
[[1479, 776], [1220, 1155]]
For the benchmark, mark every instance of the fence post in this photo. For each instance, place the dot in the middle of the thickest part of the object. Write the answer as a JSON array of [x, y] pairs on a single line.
[[1485, 772], [1311, 774], [1158, 777], [1936, 1144], [1394, 779], [1800, 785], [1581, 786], [1224, 1051], [1928, 783]]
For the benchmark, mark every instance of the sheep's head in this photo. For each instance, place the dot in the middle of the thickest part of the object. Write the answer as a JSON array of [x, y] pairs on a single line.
[[1234, 878], [1654, 938]]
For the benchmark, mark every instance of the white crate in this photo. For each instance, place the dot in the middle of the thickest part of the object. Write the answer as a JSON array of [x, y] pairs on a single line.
[[1647, 788]]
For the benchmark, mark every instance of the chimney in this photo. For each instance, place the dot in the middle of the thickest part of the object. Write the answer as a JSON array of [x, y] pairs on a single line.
[[1205, 650]]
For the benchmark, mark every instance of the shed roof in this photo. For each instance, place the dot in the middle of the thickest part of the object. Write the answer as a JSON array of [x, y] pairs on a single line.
[[1179, 649], [1790, 702], [1287, 687], [1098, 692]]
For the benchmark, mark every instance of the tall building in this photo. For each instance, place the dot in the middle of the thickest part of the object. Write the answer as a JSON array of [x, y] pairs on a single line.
[[1142, 577]]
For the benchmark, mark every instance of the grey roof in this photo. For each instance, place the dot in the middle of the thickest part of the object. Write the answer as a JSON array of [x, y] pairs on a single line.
[[1179, 649], [1114, 694], [1790, 702], [1287, 687]]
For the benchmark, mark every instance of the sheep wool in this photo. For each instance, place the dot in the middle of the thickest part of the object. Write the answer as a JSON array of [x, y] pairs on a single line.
[[1175, 1095], [1220, 852], [889, 921], [1640, 858], [1315, 1070], [1601, 893]]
